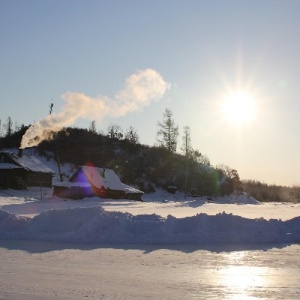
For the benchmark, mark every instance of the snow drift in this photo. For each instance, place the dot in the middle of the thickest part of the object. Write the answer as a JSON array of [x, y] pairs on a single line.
[[95, 225]]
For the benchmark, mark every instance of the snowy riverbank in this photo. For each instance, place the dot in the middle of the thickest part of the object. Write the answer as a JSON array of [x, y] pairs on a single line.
[[162, 219]]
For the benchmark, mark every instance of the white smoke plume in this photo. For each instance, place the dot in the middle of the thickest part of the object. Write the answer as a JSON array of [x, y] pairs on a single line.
[[140, 90]]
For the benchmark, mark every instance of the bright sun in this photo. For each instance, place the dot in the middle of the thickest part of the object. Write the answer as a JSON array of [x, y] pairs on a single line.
[[238, 108]]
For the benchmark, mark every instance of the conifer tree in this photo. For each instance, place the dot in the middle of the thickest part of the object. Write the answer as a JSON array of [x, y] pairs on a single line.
[[167, 133], [92, 127], [9, 127]]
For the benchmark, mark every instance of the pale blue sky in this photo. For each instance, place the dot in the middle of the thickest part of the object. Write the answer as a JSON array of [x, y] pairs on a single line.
[[202, 48]]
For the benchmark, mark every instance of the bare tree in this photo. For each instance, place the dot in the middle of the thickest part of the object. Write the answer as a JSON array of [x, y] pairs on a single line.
[[231, 179], [186, 148], [115, 131], [167, 133], [131, 135], [186, 142], [51, 108]]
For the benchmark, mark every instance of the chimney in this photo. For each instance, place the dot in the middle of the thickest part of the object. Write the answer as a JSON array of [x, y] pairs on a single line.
[[20, 153]]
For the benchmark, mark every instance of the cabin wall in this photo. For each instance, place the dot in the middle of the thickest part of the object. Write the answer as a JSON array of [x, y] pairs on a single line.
[[38, 179], [12, 178], [20, 179]]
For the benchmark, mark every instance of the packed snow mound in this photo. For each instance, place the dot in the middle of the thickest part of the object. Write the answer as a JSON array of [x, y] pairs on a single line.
[[241, 198], [95, 225]]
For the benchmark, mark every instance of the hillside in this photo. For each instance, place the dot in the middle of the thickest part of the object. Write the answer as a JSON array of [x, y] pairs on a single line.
[[143, 166]]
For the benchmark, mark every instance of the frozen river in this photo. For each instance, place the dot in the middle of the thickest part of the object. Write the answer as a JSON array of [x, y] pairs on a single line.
[[42, 270], [119, 270]]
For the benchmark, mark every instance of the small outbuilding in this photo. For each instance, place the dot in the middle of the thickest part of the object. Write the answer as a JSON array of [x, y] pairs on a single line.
[[20, 170], [88, 181]]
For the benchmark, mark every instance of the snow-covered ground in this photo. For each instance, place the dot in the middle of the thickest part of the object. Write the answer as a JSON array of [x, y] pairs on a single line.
[[161, 219], [167, 247]]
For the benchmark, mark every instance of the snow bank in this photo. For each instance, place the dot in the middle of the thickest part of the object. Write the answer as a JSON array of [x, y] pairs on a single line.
[[95, 225], [163, 196]]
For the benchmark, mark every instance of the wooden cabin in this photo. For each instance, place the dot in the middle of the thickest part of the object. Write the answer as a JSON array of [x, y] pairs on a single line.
[[18, 171], [88, 181]]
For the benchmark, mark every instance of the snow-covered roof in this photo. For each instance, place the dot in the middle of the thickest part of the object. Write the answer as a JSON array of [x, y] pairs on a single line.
[[98, 177], [28, 162], [5, 166], [131, 190], [101, 177]]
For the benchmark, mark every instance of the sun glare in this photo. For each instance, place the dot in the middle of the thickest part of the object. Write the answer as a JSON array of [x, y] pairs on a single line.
[[238, 108]]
